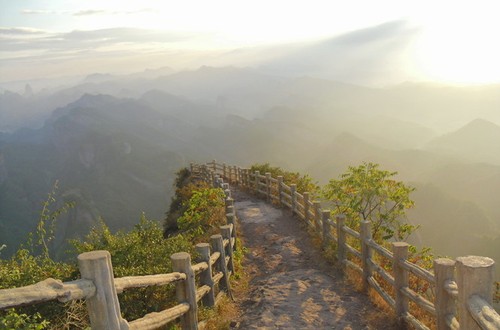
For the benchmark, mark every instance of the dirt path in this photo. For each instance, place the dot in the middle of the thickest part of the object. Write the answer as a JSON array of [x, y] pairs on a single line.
[[291, 285]]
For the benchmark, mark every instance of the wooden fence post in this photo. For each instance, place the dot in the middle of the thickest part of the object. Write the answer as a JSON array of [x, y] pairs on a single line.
[[218, 246], [212, 177], [474, 277], [268, 187], [238, 176], [325, 214], [280, 190], [317, 216], [191, 167], [224, 174], [186, 290], [444, 271], [231, 220], [306, 206], [203, 249], [341, 236], [226, 232], [103, 307], [293, 189], [257, 180], [227, 191], [214, 165], [366, 253], [400, 251]]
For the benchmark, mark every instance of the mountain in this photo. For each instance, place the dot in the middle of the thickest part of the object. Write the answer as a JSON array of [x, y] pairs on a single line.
[[114, 157], [478, 141]]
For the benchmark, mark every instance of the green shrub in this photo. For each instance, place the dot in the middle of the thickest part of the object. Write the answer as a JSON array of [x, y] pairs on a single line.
[[304, 182]]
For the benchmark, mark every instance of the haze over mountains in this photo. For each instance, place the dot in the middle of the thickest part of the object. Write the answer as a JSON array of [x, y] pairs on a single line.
[[114, 143]]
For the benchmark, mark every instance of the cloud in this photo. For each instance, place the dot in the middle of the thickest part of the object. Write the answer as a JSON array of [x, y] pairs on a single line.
[[20, 40], [362, 56], [19, 31], [362, 37], [40, 12], [89, 12], [86, 12]]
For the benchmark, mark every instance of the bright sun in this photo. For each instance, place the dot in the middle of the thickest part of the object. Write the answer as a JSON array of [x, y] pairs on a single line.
[[459, 44]]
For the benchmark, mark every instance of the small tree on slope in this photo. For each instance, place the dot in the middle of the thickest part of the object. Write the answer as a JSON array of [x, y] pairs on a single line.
[[369, 193]]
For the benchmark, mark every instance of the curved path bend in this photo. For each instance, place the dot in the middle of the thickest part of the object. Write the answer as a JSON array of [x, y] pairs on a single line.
[[291, 285]]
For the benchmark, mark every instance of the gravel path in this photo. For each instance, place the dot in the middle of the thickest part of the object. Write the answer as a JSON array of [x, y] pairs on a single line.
[[291, 285]]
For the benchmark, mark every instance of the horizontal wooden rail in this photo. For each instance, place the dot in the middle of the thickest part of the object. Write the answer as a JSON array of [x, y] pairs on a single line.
[[46, 290], [482, 312], [156, 320], [419, 300], [127, 282], [351, 232], [418, 271], [382, 272], [376, 286]]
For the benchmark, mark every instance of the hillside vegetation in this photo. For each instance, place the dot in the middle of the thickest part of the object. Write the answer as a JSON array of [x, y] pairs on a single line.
[[142, 250]]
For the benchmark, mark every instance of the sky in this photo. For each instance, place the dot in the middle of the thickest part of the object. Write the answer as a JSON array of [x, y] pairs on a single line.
[[453, 41]]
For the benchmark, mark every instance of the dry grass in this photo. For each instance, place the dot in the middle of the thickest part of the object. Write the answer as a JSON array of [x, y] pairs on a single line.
[[221, 316]]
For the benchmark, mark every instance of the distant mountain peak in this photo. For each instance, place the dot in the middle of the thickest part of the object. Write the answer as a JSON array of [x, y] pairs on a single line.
[[480, 123]]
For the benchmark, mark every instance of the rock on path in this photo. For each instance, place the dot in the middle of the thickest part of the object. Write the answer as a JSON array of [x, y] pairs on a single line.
[[291, 285]]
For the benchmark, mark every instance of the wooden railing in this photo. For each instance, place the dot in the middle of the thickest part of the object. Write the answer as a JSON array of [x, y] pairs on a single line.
[[100, 289], [463, 289]]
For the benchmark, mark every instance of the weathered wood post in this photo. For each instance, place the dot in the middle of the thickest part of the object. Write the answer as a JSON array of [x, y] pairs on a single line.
[[366, 253], [224, 169], [231, 220], [103, 307], [444, 273], [280, 190], [217, 245], [341, 236], [191, 167], [474, 278], [226, 232], [317, 216], [212, 178], [293, 190], [214, 165], [186, 290], [400, 251], [257, 180], [238, 176], [229, 205], [306, 207], [325, 214], [203, 250], [268, 187], [227, 191]]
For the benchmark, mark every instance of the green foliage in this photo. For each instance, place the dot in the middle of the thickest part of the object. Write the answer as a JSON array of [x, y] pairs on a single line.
[[23, 269], [369, 193], [204, 210], [304, 182], [185, 185], [46, 223], [141, 251], [13, 320]]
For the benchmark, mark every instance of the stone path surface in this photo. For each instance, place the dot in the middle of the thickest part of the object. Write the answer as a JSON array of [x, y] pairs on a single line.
[[291, 284]]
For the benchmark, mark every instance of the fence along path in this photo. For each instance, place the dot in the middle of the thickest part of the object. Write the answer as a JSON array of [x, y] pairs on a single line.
[[100, 289], [463, 288]]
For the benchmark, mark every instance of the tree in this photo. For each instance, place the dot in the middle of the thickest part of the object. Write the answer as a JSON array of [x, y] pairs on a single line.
[[368, 193]]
